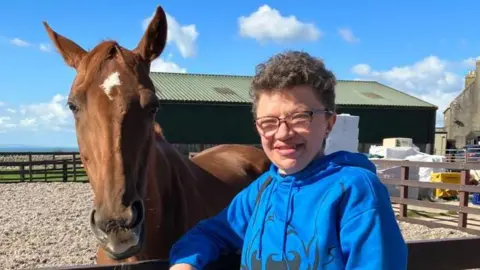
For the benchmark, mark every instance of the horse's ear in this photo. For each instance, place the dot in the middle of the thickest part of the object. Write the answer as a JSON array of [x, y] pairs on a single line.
[[155, 37], [71, 52]]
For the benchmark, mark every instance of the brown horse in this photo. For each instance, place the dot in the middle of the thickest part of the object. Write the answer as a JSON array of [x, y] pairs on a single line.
[[146, 194]]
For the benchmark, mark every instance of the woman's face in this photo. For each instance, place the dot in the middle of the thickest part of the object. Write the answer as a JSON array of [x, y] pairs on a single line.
[[293, 145]]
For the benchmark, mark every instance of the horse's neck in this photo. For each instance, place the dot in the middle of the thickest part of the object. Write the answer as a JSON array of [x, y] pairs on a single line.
[[171, 193], [174, 174], [170, 169]]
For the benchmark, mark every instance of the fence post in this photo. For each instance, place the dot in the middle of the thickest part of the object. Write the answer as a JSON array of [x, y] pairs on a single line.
[[22, 173], [404, 190], [30, 166], [45, 175], [65, 170], [464, 180], [74, 158]]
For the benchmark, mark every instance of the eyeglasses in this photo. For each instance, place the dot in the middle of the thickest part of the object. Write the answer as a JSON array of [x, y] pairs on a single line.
[[297, 121]]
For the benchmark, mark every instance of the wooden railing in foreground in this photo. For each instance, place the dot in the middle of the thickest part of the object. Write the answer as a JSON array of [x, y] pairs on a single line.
[[463, 190], [451, 254]]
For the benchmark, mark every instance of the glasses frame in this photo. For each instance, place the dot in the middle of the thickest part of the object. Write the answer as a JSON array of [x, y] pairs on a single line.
[[287, 119]]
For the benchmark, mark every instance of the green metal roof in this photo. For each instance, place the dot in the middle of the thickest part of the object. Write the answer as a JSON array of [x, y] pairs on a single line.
[[187, 87]]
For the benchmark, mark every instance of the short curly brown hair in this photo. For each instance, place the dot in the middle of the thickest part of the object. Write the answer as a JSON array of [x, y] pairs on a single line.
[[294, 68]]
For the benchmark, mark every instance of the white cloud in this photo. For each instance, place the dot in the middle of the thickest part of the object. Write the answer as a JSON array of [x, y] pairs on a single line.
[[6, 124], [28, 122], [432, 79], [19, 42], [52, 115], [4, 119], [470, 62], [347, 35], [45, 116], [184, 36], [267, 24], [44, 47], [361, 69], [160, 65]]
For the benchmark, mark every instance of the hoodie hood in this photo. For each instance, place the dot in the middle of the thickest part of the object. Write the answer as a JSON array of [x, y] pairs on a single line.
[[321, 167], [286, 185]]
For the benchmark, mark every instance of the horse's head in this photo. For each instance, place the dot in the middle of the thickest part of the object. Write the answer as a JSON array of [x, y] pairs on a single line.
[[113, 102]]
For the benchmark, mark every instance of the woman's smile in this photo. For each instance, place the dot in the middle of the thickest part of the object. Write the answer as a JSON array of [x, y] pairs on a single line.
[[290, 150]]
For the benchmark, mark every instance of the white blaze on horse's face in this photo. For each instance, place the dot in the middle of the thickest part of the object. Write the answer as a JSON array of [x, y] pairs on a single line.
[[111, 81]]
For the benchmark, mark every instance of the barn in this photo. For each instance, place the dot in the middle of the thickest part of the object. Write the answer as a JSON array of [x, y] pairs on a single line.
[[201, 110]]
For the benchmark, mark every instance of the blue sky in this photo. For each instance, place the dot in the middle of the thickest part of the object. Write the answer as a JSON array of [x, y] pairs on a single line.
[[418, 47]]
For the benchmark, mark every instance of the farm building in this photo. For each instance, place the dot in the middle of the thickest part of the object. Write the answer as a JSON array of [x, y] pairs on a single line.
[[461, 117], [440, 146], [200, 110]]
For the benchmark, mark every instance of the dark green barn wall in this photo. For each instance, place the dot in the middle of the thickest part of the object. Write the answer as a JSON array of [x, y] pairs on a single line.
[[207, 123], [378, 123], [191, 123]]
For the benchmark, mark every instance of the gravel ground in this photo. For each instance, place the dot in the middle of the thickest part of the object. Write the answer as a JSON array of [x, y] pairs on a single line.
[[46, 225]]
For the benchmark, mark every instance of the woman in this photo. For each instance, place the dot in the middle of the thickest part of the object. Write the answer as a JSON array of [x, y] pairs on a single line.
[[310, 210]]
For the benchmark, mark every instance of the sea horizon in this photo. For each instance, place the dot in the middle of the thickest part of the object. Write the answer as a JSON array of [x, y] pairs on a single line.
[[35, 148]]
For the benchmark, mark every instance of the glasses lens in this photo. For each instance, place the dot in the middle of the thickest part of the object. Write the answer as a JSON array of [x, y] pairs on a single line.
[[300, 120], [267, 125]]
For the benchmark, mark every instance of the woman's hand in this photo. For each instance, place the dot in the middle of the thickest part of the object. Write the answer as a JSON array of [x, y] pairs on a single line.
[[182, 266]]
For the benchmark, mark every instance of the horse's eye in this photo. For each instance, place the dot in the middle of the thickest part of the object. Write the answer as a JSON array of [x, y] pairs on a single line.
[[149, 102], [72, 107], [153, 110]]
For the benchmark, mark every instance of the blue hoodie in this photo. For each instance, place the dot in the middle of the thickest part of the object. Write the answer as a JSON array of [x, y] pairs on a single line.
[[334, 214]]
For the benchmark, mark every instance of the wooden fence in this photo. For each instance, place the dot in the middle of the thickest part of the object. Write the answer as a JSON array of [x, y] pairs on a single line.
[[430, 254], [463, 189], [41, 166], [451, 254], [67, 166]]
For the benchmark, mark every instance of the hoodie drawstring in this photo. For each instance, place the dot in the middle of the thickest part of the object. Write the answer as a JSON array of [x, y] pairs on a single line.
[[265, 212], [285, 224]]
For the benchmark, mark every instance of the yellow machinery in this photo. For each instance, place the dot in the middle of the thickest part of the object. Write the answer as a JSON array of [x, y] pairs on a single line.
[[448, 178]]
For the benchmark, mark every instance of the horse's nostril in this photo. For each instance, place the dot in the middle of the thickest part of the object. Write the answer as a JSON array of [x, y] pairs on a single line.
[[93, 217], [96, 218], [97, 226], [97, 221], [137, 214]]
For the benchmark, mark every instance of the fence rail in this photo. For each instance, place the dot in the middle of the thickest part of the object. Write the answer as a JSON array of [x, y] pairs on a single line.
[[451, 254], [41, 166], [462, 155], [463, 189]]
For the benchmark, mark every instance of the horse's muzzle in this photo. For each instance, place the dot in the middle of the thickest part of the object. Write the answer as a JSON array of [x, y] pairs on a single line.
[[123, 236]]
